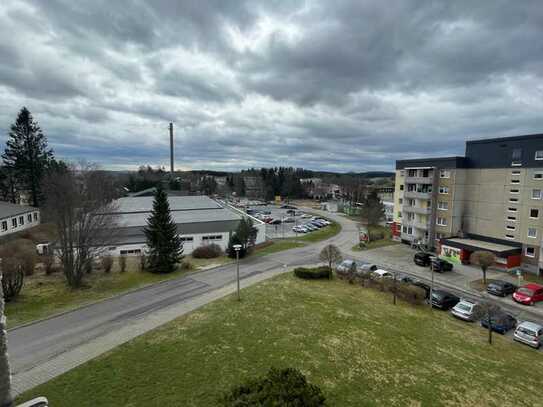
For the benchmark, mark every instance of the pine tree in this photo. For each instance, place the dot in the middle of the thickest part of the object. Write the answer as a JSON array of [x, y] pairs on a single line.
[[165, 245], [27, 154]]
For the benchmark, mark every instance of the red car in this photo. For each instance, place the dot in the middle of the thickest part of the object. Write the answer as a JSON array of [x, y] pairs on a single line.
[[529, 294]]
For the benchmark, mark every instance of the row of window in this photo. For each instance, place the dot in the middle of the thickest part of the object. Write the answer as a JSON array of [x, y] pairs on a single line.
[[516, 156], [532, 232], [537, 176], [20, 221], [536, 194]]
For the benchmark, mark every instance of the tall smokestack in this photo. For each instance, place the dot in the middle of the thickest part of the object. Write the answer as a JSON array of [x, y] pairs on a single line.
[[171, 149]]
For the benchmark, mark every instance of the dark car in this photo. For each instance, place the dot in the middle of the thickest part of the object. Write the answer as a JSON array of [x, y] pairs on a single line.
[[440, 265], [288, 207], [422, 259], [275, 222], [424, 286], [500, 288], [500, 322], [443, 299]]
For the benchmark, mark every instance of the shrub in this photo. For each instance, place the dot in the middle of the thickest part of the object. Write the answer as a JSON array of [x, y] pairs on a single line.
[[376, 235], [48, 261], [22, 252], [12, 278], [186, 265], [312, 273], [411, 294], [107, 263], [143, 262], [122, 264], [280, 387], [209, 251], [231, 252]]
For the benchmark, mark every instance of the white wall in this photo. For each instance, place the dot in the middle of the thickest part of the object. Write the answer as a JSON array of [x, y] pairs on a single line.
[[20, 227]]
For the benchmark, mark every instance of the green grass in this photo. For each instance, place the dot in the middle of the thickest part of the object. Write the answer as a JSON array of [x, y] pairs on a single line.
[[43, 295], [374, 245], [278, 246], [352, 342], [322, 234]]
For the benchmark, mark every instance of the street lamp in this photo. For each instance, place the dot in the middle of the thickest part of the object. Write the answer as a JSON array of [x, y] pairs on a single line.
[[237, 248]]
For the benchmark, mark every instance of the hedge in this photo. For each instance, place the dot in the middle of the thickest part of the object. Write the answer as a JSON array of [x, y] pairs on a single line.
[[312, 273]]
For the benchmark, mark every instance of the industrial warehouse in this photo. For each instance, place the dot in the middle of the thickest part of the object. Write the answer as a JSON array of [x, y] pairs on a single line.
[[200, 221]]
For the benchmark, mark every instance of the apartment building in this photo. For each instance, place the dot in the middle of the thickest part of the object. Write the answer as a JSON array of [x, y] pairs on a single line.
[[490, 199]]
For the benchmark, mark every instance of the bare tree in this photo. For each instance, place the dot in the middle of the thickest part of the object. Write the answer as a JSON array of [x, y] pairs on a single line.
[[486, 311], [80, 201], [6, 398], [330, 254], [484, 260]]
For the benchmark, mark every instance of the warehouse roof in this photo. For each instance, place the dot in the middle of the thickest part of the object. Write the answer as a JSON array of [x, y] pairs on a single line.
[[8, 209], [177, 203]]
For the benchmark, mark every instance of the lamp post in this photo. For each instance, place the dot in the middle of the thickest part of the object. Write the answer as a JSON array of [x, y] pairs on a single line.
[[237, 248], [432, 284]]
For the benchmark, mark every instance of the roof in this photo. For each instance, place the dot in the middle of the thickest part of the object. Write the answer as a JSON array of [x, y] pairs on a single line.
[[177, 203], [473, 244], [538, 136], [530, 325], [532, 286], [8, 209], [439, 162]]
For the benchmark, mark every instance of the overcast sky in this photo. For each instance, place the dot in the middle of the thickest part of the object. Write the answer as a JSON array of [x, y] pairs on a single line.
[[334, 85]]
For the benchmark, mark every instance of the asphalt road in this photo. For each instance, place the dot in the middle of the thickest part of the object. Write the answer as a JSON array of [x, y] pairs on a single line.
[[35, 344]]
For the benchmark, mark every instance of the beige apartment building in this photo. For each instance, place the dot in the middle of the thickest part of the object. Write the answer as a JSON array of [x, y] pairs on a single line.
[[490, 199]]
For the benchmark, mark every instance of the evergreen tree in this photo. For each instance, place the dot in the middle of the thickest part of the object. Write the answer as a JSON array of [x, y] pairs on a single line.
[[373, 210], [27, 154], [165, 245]]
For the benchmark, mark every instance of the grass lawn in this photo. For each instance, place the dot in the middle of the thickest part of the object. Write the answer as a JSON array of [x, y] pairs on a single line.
[[374, 245], [352, 342], [47, 295], [278, 246]]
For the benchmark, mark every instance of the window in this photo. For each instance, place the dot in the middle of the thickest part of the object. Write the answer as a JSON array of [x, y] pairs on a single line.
[[530, 251], [409, 230], [516, 157], [515, 172], [509, 236], [442, 206], [511, 199], [29, 218], [187, 239], [532, 232], [211, 238], [125, 252], [402, 173], [410, 216], [441, 221], [400, 201], [401, 187], [515, 191], [21, 220], [444, 174], [538, 175], [539, 155], [512, 218], [515, 181], [4, 225], [536, 194], [510, 227], [512, 209], [13, 223], [35, 216], [534, 213], [443, 190]]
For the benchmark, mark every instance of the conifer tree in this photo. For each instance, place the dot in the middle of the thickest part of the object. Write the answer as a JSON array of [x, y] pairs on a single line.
[[165, 245], [27, 155]]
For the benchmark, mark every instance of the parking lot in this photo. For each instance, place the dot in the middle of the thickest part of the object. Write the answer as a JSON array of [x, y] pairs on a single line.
[[284, 229]]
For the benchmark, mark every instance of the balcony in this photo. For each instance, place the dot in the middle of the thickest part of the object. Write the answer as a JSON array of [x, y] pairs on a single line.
[[417, 209], [419, 180], [417, 195], [422, 226]]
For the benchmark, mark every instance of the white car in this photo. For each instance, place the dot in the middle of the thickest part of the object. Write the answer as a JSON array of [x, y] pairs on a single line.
[[529, 333], [305, 216], [379, 274], [466, 310]]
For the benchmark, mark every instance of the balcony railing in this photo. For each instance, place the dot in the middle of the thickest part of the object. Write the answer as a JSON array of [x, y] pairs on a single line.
[[417, 195], [417, 209], [419, 180]]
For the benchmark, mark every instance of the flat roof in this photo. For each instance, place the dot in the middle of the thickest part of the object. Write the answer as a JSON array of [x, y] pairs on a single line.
[[537, 136], [439, 162], [8, 209], [480, 244], [180, 217], [141, 204]]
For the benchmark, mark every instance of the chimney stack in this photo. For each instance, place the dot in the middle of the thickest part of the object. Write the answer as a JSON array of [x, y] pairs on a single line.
[[171, 149]]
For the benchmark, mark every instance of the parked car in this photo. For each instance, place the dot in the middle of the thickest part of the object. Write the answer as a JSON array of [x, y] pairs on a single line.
[[443, 299], [305, 216], [300, 229], [275, 222], [500, 322], [326, 222], [404, 278], [466, 310], [291, 212], [361, 268], [288, 207], [500, 288], [310, 227], [423, 259], [316, 224], [440, 265], [423, 285], [319, 222], [529, 294], [379, 274], [529, 333], [288, 219]]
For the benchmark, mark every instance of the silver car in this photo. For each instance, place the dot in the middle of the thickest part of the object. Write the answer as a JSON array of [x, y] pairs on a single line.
[[529, 333], [466, 310]]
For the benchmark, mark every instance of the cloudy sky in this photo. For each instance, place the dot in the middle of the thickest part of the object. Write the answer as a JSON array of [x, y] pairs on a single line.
[[335, 85]]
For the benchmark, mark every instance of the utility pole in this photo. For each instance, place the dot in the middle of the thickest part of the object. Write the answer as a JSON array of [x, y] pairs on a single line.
[[171, 149]]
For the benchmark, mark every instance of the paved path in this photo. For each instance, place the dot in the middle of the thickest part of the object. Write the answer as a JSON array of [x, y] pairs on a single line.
[[46, 349]]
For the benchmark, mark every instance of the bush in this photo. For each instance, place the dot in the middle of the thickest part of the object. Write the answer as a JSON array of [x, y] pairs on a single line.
[[411, 294], [186, 265], [376, 235], [209, 251], [22, 252], [122, 264], [231, 252], [143, 262], [280, 387], [12, 278], [107, 263], [48, 261], [313, 273]]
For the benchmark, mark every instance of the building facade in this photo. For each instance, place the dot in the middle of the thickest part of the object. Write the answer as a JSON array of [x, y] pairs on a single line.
[[490, 198], [16, 218]]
